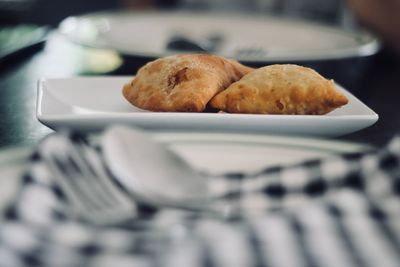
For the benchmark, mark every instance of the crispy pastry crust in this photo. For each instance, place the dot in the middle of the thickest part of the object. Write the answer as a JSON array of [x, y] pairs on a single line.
[[182, 82], [280, 89]]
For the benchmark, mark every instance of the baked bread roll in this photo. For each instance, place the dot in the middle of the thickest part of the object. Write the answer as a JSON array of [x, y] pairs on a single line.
[[182, 82], [280, 89]]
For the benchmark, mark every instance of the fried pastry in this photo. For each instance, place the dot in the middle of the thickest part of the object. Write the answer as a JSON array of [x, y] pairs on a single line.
[[280, 89], [182, 82]]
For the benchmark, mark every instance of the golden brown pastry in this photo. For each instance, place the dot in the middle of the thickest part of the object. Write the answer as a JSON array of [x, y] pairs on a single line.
[[280, 89], [182, 82]]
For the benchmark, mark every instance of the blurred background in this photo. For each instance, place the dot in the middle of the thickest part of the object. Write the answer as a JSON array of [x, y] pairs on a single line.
[[53, 12], [373, 12], [379, 17]]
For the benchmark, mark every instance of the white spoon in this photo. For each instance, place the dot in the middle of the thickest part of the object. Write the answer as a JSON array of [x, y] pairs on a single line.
[[150, 171]]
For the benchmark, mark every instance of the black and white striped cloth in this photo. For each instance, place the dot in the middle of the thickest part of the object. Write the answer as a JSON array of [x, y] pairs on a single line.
[[340, 211]]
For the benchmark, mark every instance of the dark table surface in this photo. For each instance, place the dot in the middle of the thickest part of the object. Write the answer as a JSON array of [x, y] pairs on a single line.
[[377, 85]]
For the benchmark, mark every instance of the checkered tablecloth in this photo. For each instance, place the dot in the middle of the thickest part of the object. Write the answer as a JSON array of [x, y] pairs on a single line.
[[339, 211]]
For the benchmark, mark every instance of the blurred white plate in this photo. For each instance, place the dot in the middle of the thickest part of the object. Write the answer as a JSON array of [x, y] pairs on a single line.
[[229, 152], [93, 103], [208, 152], [244, 37]]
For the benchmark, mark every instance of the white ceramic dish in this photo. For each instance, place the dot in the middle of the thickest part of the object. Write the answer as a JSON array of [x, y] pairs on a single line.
[[275, 39], [93, 103], [208, 152]]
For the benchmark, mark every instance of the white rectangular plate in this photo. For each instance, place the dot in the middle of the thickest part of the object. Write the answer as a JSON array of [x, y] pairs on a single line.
[[93, 103]]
